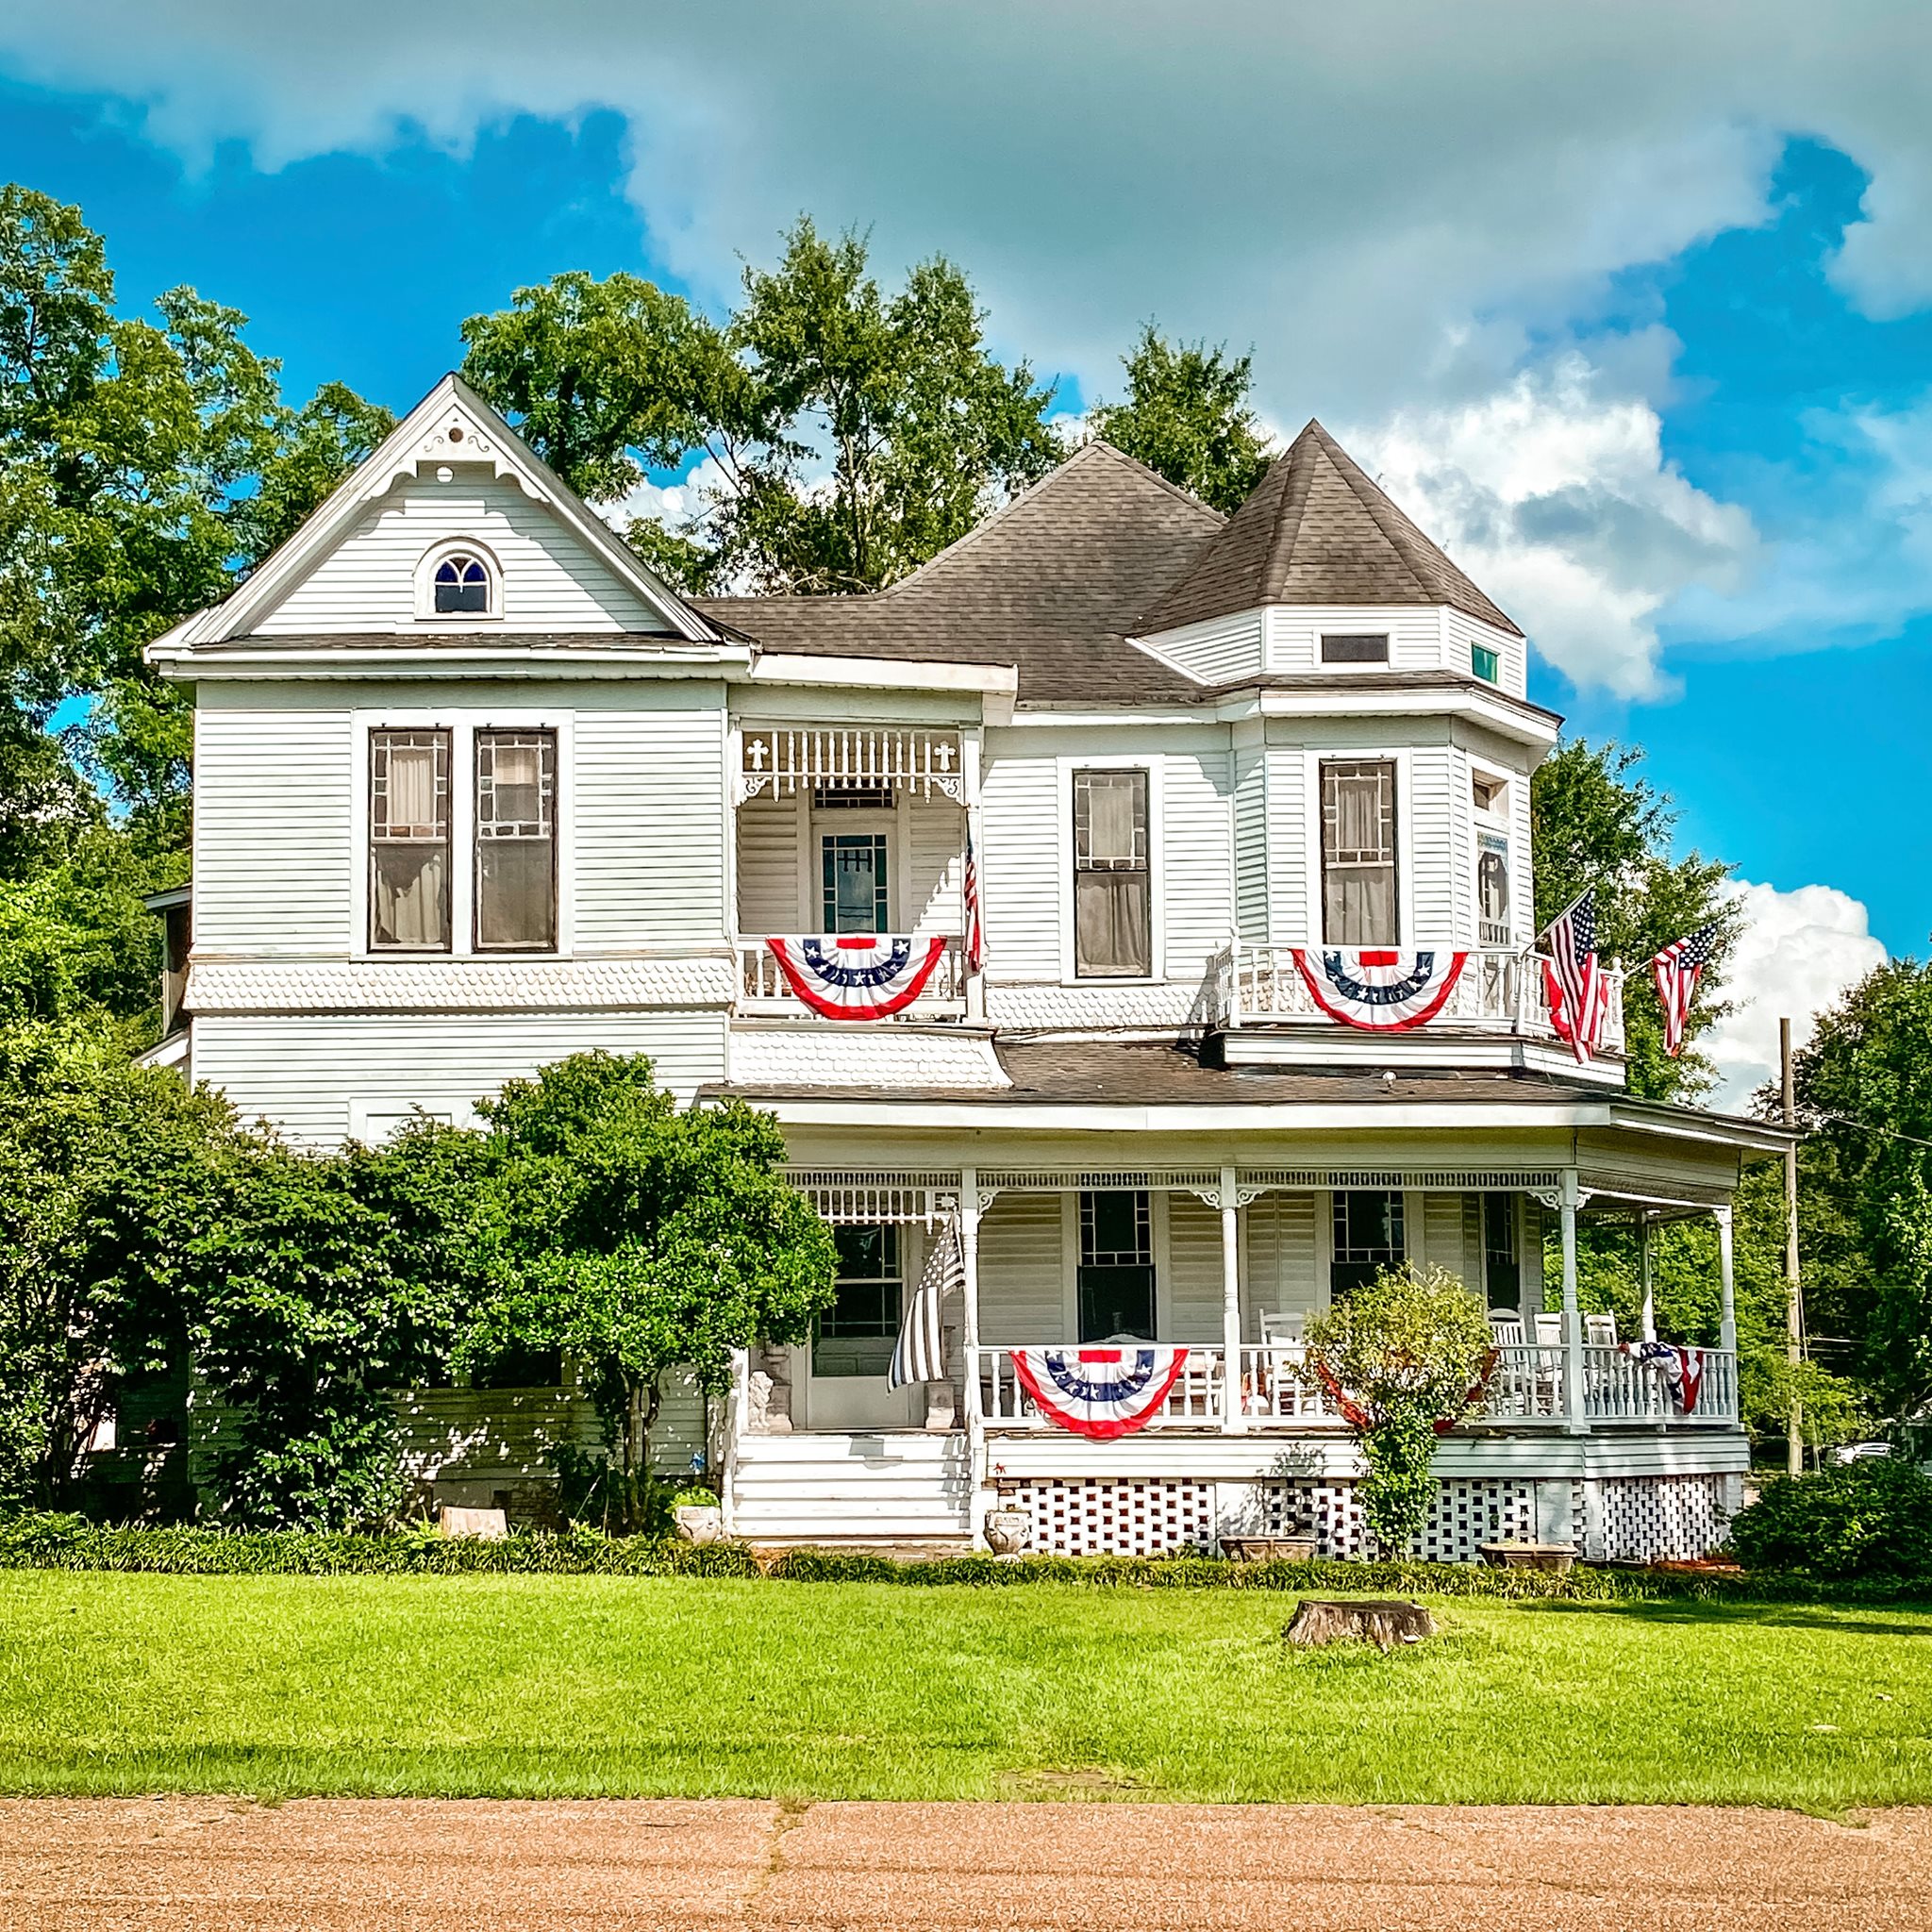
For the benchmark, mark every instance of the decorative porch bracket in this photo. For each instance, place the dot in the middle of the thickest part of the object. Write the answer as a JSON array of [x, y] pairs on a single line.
[[787, 759]]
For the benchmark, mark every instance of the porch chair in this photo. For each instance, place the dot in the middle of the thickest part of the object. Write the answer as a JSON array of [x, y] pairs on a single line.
[[1277, 1389], [1549, 1331], [1505, 1327], [1600, 1331]]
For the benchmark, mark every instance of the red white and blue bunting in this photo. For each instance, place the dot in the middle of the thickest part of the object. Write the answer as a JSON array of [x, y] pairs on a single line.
[[857, 975], [1102, 1392], [1381, 990]]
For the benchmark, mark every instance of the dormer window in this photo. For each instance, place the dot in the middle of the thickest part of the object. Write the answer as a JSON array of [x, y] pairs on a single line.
[[462, 587]]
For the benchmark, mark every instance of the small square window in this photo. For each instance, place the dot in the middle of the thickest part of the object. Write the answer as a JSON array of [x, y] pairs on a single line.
[[1350, 648], [1484, 663]]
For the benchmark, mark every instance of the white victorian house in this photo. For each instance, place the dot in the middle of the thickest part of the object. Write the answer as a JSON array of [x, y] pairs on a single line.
[[475, 790]]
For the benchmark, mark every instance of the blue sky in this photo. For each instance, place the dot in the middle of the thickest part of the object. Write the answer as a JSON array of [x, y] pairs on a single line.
[[1639, 327]]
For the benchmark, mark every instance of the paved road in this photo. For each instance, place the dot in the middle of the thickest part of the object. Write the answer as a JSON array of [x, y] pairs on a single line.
[[209, 1865]]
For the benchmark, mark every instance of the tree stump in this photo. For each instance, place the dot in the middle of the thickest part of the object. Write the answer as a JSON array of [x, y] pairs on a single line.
[[1385, 1622]]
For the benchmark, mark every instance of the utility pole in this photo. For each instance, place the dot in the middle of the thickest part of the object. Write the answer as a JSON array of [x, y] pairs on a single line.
[[1794, 1305]]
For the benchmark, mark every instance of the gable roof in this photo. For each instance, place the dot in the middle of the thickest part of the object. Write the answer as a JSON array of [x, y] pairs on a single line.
[[1317, 530], [452, 424], [1051, 584]]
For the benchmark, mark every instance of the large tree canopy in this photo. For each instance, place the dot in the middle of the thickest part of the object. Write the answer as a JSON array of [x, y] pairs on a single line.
[[842, 435], [1185, 414]]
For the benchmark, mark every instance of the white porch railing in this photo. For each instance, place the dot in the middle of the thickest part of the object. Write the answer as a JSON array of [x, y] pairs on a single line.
[[1499, 990], [763, 987], [1527, 1385]]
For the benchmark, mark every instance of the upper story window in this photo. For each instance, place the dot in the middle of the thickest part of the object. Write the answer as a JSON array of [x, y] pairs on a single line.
[[516, 841], [409, 842], [1116, 1282], [1486, 663], [1113, 908], [853, 868], [1349, 647], [1359, 881], [459, 580]]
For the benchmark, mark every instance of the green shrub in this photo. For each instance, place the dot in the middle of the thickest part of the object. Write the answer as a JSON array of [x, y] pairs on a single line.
[[1869, 1519]]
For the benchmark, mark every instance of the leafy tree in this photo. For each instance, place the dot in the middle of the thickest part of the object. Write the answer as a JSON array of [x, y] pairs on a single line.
[[1185, 415], [637, 1239], [98, 1162], [143, 463], [1597, 822], [820, 369], [1405, 1354]]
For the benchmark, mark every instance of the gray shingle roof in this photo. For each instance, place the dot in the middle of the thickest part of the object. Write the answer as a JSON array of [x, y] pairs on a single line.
[[1317, 530], [1052, 584]]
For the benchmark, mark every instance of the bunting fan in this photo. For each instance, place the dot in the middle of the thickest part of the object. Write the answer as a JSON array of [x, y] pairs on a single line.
[[1102, 1392], [857, 975], [1380, 991]]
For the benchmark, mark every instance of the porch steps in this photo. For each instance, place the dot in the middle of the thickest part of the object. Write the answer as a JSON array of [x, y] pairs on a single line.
[[872, 1491]]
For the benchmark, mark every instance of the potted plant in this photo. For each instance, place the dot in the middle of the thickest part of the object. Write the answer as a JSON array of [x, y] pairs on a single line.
[[698, 1518], [1008, 1527]]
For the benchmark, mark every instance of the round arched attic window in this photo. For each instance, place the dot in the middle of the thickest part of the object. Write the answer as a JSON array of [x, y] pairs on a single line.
[[461, 586]]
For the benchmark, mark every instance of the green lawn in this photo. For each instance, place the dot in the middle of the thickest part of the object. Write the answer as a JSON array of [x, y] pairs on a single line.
[[585, 1684]]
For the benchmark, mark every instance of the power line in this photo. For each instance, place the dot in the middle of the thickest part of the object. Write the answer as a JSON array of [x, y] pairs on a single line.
[[1845, 1120]]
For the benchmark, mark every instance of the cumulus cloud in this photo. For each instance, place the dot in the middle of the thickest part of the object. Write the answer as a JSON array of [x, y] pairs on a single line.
[[1800, 950], [1559, 501]]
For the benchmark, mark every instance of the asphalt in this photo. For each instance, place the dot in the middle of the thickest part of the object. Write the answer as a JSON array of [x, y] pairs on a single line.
[[209, 1865]]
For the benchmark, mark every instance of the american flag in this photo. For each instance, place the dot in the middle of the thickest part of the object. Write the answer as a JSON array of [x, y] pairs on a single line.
[[1676, 969], [920, 1355], [969, 905], [1573, 977]]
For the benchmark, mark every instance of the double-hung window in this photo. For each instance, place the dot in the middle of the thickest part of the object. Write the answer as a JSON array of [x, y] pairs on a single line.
[[516, 841], [1358, 890], [409, 842], [1114, 908], [1501, 1265], [1115, 1281]]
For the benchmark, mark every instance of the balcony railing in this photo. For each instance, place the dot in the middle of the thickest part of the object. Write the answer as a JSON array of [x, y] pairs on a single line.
[[764, 990], [1499, 990], [1528, 1386]]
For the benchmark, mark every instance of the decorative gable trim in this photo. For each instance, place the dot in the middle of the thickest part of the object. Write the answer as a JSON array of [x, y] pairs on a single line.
[[451, 424]]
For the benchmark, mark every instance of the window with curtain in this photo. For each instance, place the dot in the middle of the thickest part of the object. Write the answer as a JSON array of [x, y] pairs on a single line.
[[1113, 911], [1358, 900], [857, 1334], [1115, 1281], [1368, 1238], [409, 842], [1493, 888], [516, 841], [853, 876]]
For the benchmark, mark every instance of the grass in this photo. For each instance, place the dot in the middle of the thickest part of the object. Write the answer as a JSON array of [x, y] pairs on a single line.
[[558, 1686]]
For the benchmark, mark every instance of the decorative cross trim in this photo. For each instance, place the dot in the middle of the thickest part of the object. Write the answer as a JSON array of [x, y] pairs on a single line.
[[790, 759]]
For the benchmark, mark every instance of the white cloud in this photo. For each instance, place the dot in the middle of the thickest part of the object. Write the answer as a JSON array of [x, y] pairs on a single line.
[[1558, 500], [1800, 951]]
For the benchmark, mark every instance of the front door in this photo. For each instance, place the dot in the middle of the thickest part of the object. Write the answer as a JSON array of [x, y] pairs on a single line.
[[852, 1345]]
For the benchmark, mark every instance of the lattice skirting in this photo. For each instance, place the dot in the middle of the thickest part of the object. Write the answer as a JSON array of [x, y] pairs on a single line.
[[1098, 1517], [1468, 1513], [1646, 1516]]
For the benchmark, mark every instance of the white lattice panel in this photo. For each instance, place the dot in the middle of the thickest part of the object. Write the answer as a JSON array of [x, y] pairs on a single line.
[[1468, 1513], [1648, 1517], [1099, 1517]]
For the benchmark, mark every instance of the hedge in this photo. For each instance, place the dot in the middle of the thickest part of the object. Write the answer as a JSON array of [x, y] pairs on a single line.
[[71, 1543]]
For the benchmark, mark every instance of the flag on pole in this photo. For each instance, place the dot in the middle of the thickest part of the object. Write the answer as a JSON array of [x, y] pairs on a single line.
[[921, 1353], [1676, 969], [969, 906], [1573, 975]]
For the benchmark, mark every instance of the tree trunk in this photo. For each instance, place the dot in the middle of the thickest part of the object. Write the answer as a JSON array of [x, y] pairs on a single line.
[[1384, 1621]]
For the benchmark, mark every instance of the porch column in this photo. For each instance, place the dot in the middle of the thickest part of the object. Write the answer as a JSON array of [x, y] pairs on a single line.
[[969, 1342], [1232, 1419], [1648, 1328], [1727, 1304], [1567, 1203]]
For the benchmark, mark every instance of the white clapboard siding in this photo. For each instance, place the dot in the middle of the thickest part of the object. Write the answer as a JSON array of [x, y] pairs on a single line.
[[1512, 667], [1471, 1266], [935, 863], [1023, 1294], [648, 819], [1434, 811], [1217, 651], [1197, 859], [1521, 877], [550, 580], [1441, 1233], [1193, 1271], [1251, 882], [770, 835], [316, 1075], [1293, 823], [1414, 632], [274, 856], [1279, 1258], [1020, 882]]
